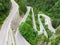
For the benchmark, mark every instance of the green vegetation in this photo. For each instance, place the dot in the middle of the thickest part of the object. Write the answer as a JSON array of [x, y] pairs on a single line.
[[54, 13], [48, 7], [41, 5], [4, 10], [27, 30], [22, 6], [56, 39]]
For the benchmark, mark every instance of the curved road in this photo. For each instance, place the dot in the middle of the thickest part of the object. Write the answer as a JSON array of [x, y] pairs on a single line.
[[6, 33], [6, 26], [7, 36]]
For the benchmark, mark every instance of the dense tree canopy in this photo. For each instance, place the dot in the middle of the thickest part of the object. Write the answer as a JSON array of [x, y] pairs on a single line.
[[43, 5]]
